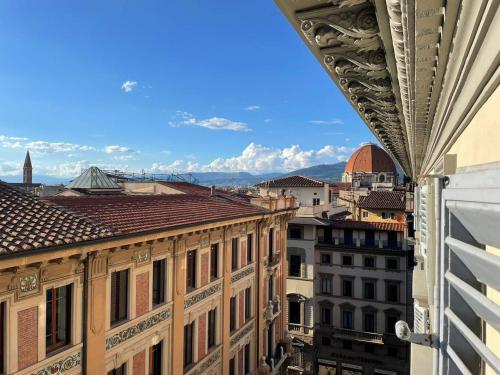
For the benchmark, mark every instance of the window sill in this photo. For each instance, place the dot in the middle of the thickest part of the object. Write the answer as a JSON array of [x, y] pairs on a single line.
[[58, 350], [119, 323]]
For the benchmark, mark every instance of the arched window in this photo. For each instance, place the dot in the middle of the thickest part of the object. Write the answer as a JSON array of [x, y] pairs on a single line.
[[381, 178]]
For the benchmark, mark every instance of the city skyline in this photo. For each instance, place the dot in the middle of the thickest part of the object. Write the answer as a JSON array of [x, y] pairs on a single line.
[[145, 90]]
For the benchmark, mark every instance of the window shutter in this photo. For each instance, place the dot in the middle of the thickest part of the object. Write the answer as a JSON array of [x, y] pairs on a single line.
[[422, 220], [469, 274]]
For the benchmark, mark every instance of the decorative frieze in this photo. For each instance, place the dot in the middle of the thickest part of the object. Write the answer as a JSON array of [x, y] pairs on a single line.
[[142, 256], [242, 333], [28, 283], [62, 366], [200, 296], [136, 329], [206, 363], [243, 273]]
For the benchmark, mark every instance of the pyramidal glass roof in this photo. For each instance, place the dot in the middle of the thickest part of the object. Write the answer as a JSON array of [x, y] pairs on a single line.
[[93, 178]]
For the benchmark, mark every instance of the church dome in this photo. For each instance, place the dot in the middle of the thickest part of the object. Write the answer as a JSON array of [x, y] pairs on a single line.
[[370, 158]]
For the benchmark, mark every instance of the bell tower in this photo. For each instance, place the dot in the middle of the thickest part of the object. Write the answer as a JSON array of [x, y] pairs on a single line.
[[27, 169]]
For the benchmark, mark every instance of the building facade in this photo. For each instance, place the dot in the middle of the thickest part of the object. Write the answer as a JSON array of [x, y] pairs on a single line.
[[99, 286], [423, 76], [362, 288]]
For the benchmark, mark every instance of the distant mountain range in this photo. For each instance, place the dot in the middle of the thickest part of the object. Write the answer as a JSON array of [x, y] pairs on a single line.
[[325, 172]]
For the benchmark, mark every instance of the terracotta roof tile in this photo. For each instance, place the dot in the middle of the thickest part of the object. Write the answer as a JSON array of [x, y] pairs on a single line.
[[140, 213], [291, 181], [26, 223], [368, 225], [394, 200]]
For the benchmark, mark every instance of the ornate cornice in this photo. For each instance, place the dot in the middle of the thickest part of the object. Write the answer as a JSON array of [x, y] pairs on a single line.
[[242, 333], [241, 274], [62, 366], [346, 34]]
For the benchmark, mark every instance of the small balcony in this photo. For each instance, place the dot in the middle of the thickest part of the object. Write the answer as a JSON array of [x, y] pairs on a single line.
[[272, 261], [299, 329], [351, 334], [273, 309]]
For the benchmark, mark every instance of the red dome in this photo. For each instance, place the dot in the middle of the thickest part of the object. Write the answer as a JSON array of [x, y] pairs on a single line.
[[370, 158]]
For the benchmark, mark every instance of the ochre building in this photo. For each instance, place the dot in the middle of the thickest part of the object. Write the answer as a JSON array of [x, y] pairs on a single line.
[[159, 284]]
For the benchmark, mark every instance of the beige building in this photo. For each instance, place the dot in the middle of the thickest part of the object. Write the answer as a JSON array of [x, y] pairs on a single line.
[[424, 76], [157, 284]]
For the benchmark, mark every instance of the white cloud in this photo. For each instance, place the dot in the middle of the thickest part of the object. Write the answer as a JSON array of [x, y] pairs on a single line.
[[268, 120], [256, 158], [128, 86], [252, 108], [11, 142], [335, 121], [113, 149], [45, 147], [124, 157], [9, 168], [213, 123]]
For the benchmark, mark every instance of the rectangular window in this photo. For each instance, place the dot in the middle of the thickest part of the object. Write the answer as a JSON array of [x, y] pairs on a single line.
[[159, 276], [270, 242], [246, 365], [369, 290], [326, 258], [249, 248], [294, 312], [294, 265], [369, 262], [392, 291], [57, 317], [155, 359], [211, 327], [384, 215], [214, 261], [347, 288], [315, 201], [234, 254], [232, 367], [347, 260], [347, 319], [248, 303], [391, 263], [390, 323], [295, 233], [191, 270], [326, 285], [188, 344], [119, 297], [118, 371], [232, 314], [365, 214], [326, 315], [369, 322]]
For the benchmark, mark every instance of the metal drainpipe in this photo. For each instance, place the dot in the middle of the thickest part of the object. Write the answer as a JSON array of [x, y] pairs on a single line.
[[85, 313], [437, 273]]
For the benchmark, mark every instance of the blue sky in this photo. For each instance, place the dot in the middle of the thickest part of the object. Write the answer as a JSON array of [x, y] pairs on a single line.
[[164, 86]]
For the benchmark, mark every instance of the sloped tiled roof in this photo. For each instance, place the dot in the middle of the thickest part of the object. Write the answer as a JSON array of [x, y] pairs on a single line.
[[93, 178], [291, 181], [393, 200], [26, 223], [370, 158], [368, 225], [140, 213], [335, 187]]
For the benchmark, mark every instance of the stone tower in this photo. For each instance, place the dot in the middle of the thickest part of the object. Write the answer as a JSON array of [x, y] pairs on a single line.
[[27, 170]]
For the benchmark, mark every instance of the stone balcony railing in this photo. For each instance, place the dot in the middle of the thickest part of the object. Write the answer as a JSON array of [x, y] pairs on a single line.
[[300, 329], [351, 334], [275, 204], [313, 211], [273, 260], [273, 309]]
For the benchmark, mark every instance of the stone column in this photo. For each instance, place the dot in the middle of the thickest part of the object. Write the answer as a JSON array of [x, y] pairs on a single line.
[[179, 291], [97, 300]]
